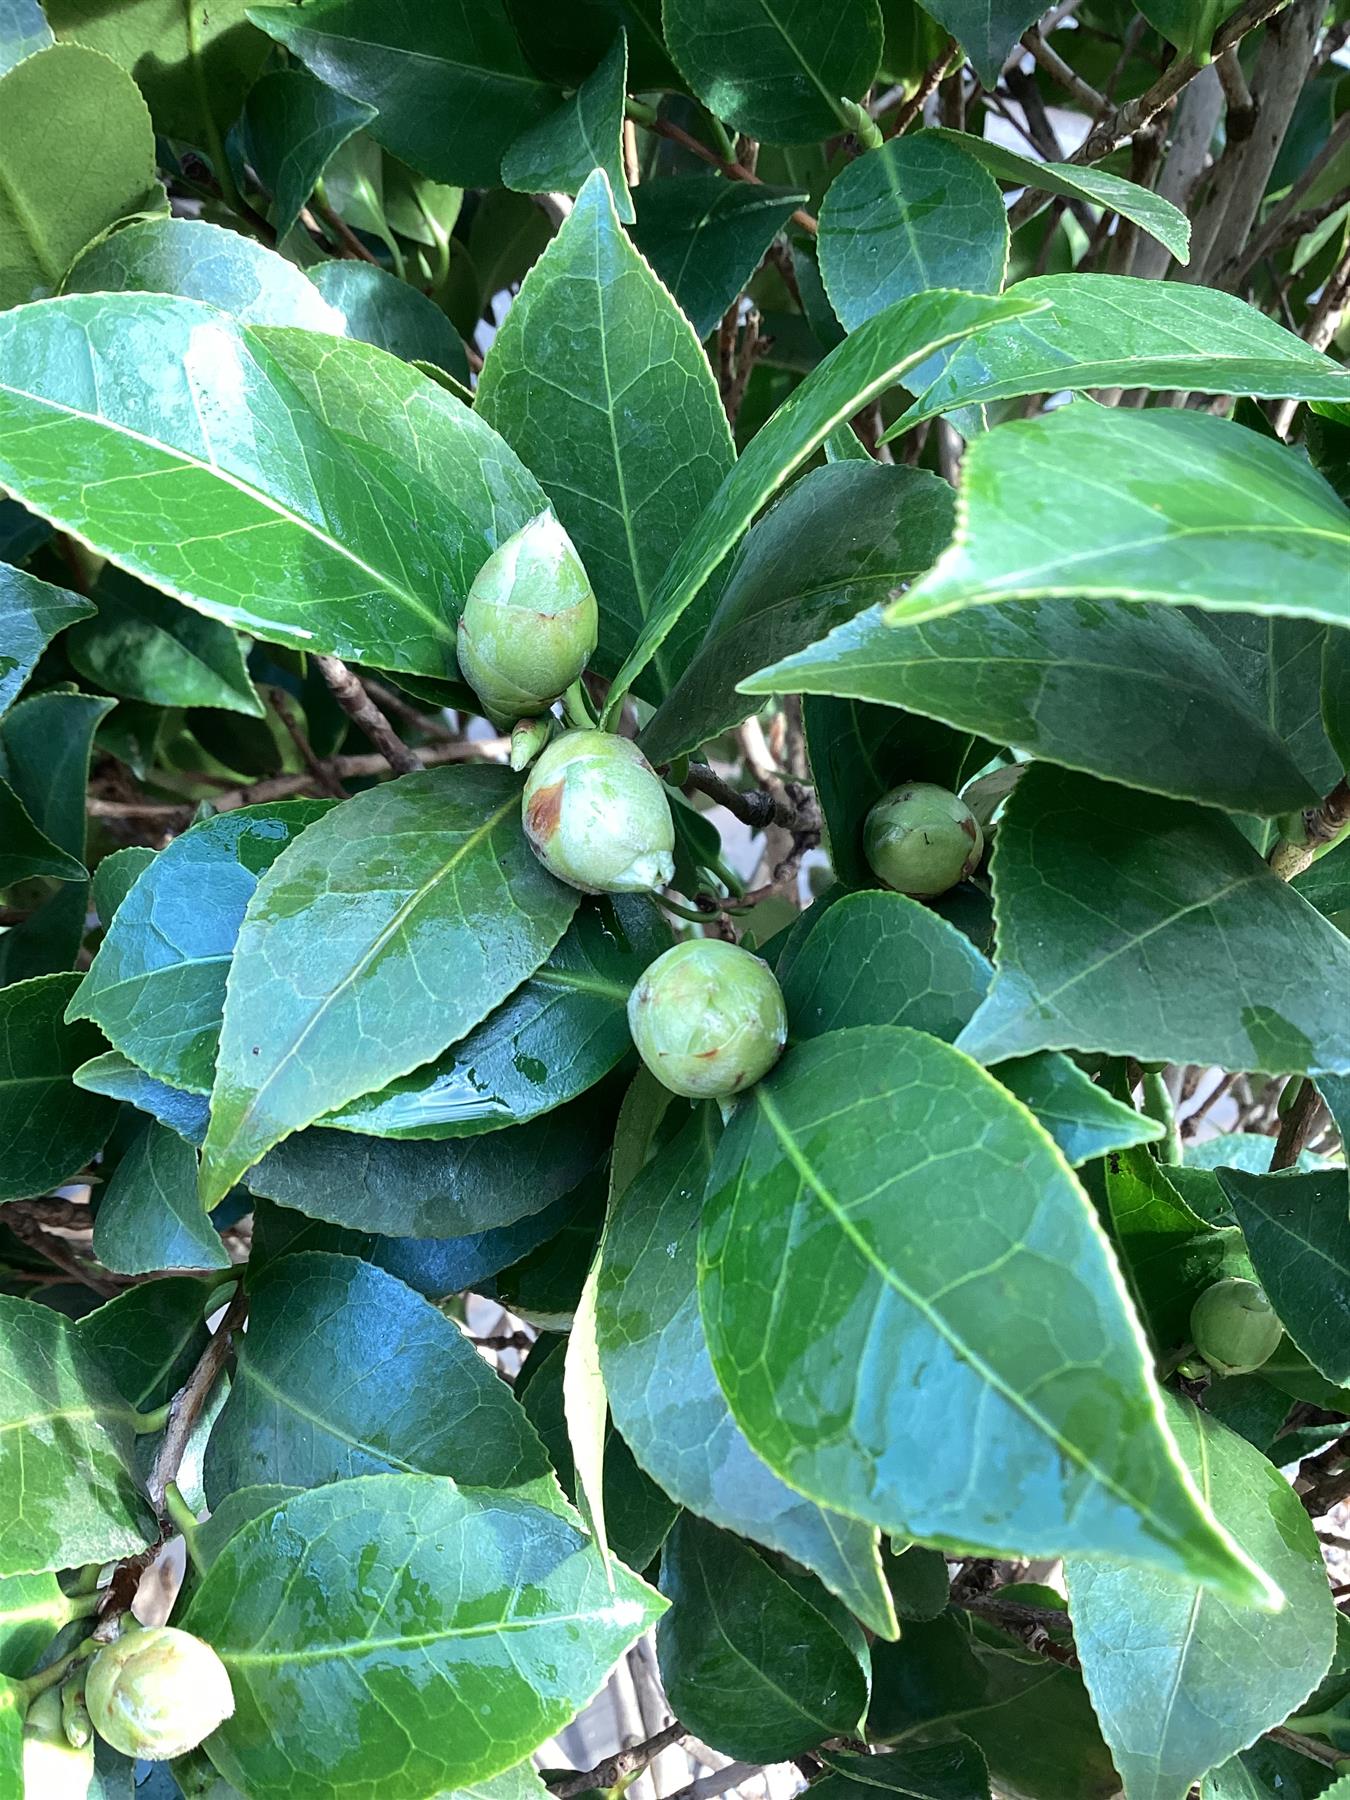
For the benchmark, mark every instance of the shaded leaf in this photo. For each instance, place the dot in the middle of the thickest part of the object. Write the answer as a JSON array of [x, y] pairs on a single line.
[[149, 1217], [120, 1079], [49, 1129], [987, 30], [145, 646], [1187, 24], [1298, 1233], [149, 1338], [557, 153], [704, 236], [32, 612], [953, 1769], [33, 1609], [1168, 1255], [292, 126], [25, 851], [379, 309]]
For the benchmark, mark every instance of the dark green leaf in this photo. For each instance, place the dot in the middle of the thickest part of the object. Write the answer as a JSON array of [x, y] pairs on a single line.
[[565, 44], [149, 1338], [116, 875], [145, 646], [755, 1665], [120, 1079], [918, 213], [1189, 24], [149, 1217], [1271, 1772], [1325, 883], [484, 1625], [558, 152], [987, 30], [919, 1581], [381, 310], [49, 1129], [1336, 692], [32, 1610], [1168, 1255], [704, 236], [25, 851], [1298, 1233], [951, 1770], [292, 126], [32, 612]]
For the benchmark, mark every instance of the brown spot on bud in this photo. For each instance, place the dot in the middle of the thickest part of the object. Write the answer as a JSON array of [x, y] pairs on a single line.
[[544, 812], [970, 828]]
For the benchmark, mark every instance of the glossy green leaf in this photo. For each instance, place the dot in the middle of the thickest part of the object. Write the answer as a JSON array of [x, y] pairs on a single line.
[[780, 70], [1269, 1771], [415, 1396], [379, 309], [919, 1581], [934, 1211], [1189, 24], [49, 1129], [916, 213], [292, 126], [869, 361], [66, 1441], [704, 236], [149, 1217], [558, 1034], [840, 538], [23, 30], [145, 646], [557, 153], [1325, 883], [32, 1610], [78, 155], [1336, 691], [1084, 1121], [156, 988], [597, 380], [116, 875], [664, 1395], [386, 931], [951, 1770], [1114, 330], [32, 612], [11, 1737], [485, 1623], [325, 535], [1119, 921], [25, 851], [1298, 1233], [987, 30], [1168, 1255], [1180, 1677], [756, 1666], [148, 1339], [450, 86]]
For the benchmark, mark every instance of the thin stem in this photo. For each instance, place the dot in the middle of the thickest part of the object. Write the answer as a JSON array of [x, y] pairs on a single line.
[[362, 710], [738, 172], [147, 1423], [614, 1769], [577, 707], [189, 1402], [1296, 1127], [184, 1520], [53, 1676]]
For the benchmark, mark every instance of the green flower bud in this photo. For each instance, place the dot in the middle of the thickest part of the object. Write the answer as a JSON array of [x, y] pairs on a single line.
[[528, 738], [157, 1693], [53, 1767], [529, 623], [921, 839], [708, 1019], [597, 816], [1234, 1326]]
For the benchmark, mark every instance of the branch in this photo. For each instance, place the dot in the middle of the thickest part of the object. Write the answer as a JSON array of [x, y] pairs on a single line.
[[1296, 1127], [929, 82], [362, 710], [612, 1771], [1321, 825], [707, 1787], [187, 1405], [755, 808], [1058, 70], [323, 776], [737, 171]]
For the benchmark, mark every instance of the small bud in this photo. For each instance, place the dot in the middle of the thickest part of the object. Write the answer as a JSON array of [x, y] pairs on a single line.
[[708, 1019], [921, 839], [157, 1693], [597, 816], [528, 738], [53, 1767], [529, 623], [1234, 1326]]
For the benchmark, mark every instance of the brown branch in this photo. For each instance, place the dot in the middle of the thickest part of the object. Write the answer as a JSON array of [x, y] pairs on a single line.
[[323, 775], [929, 83], [1306, 1746], [737, 171], [362, 710], [755, 808], [707, 1787], [189, 1402], [1296, 1127], [1321, 824], [1059, 71], [391, 701], [351, 244], [612, 1771]]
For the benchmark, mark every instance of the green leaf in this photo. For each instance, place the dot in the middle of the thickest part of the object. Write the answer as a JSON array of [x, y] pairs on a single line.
[[386, 931], [1120, 918], [704, 236], [1298, 1234], [557, 154], [379, 309], [1157, 505], [66, 1444], [1084, 1121], [78, 155], [415, 1396], [873, 358], [840, 538], [951, 1770], [32, 612], [1189, 24], [156, 988], [23, 30], [987, 30], [558, 1034], [25, 851], [292, 126], [1181, 1677], [1325, 883], [322, 535], [1114, 330], [754, 1664], [116, 875], [1269, 1771], [664, 1395], [918, 213], [49, 1129], [946, 1233], [149, 1217], [451, 87], [1168, 1255], [148, 1339], [487, 1623], [12, 1705], [145, 646], [918, 1581], [597, 381], [32, 1610], [1336, 692], [120, 1079], [780, 70]]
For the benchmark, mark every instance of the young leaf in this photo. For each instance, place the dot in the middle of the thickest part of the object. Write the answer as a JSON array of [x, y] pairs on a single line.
[[1182, 1677], [120, 1079], [557, 154], [149, 1217], [1299, 1237], [1189, 24], [383, 933], [292, 126], [705, 236], [486, 1625], [49, 1129], [145, 646], [32, 612], [947, 1234]]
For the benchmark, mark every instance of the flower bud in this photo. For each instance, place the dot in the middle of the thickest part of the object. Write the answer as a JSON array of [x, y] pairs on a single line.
[[708, 1019], [157, 1693], [1234, 1326], [528, 738], [53, 1767], [597, 816], [921, 839], [529, 623]]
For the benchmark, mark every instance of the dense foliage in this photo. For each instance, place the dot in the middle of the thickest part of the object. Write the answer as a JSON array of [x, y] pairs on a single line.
[[674, 888]]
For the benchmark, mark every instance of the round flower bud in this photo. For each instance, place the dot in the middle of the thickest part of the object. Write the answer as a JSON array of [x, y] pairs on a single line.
[[53, 1767], [529, 623], [597, 816], [1234, 1326], [921, 839], [708, 1019], [157, 1693]]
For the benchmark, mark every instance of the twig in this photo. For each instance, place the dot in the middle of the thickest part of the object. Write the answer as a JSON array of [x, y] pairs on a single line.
[[1068, 78], [391, 701], [187, 1405], [929, 82], [351, 244], [1212, 1098], [609, 1773], [1321, 824], [751, 348], [755, 809], [1296, 1127], [1306, 1746], [322, 773], [707, 1787], [738, 172], [362, 710], [59, 1252]]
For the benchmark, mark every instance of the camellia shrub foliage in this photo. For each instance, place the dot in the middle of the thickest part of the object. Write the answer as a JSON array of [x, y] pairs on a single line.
[[674, 875]]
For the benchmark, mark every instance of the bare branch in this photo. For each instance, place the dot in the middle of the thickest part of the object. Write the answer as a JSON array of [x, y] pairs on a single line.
[[1068, 78], [1321, 825], [189, 1402], [1296, 1127], [612, 1771], [362, 710]]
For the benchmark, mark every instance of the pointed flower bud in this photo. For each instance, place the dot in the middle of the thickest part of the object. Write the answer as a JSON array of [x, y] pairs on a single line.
[[529, 623], [157, 1693], [528, 738], [53, 1767], [708, 1019], [597, 816], [921, 839], [1234, 1326]]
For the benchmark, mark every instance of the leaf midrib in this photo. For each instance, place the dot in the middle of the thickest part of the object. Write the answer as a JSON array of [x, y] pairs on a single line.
[[420, 1640]]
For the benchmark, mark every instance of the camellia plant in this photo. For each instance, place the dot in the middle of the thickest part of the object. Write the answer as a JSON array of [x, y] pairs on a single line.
[[674, 888]]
